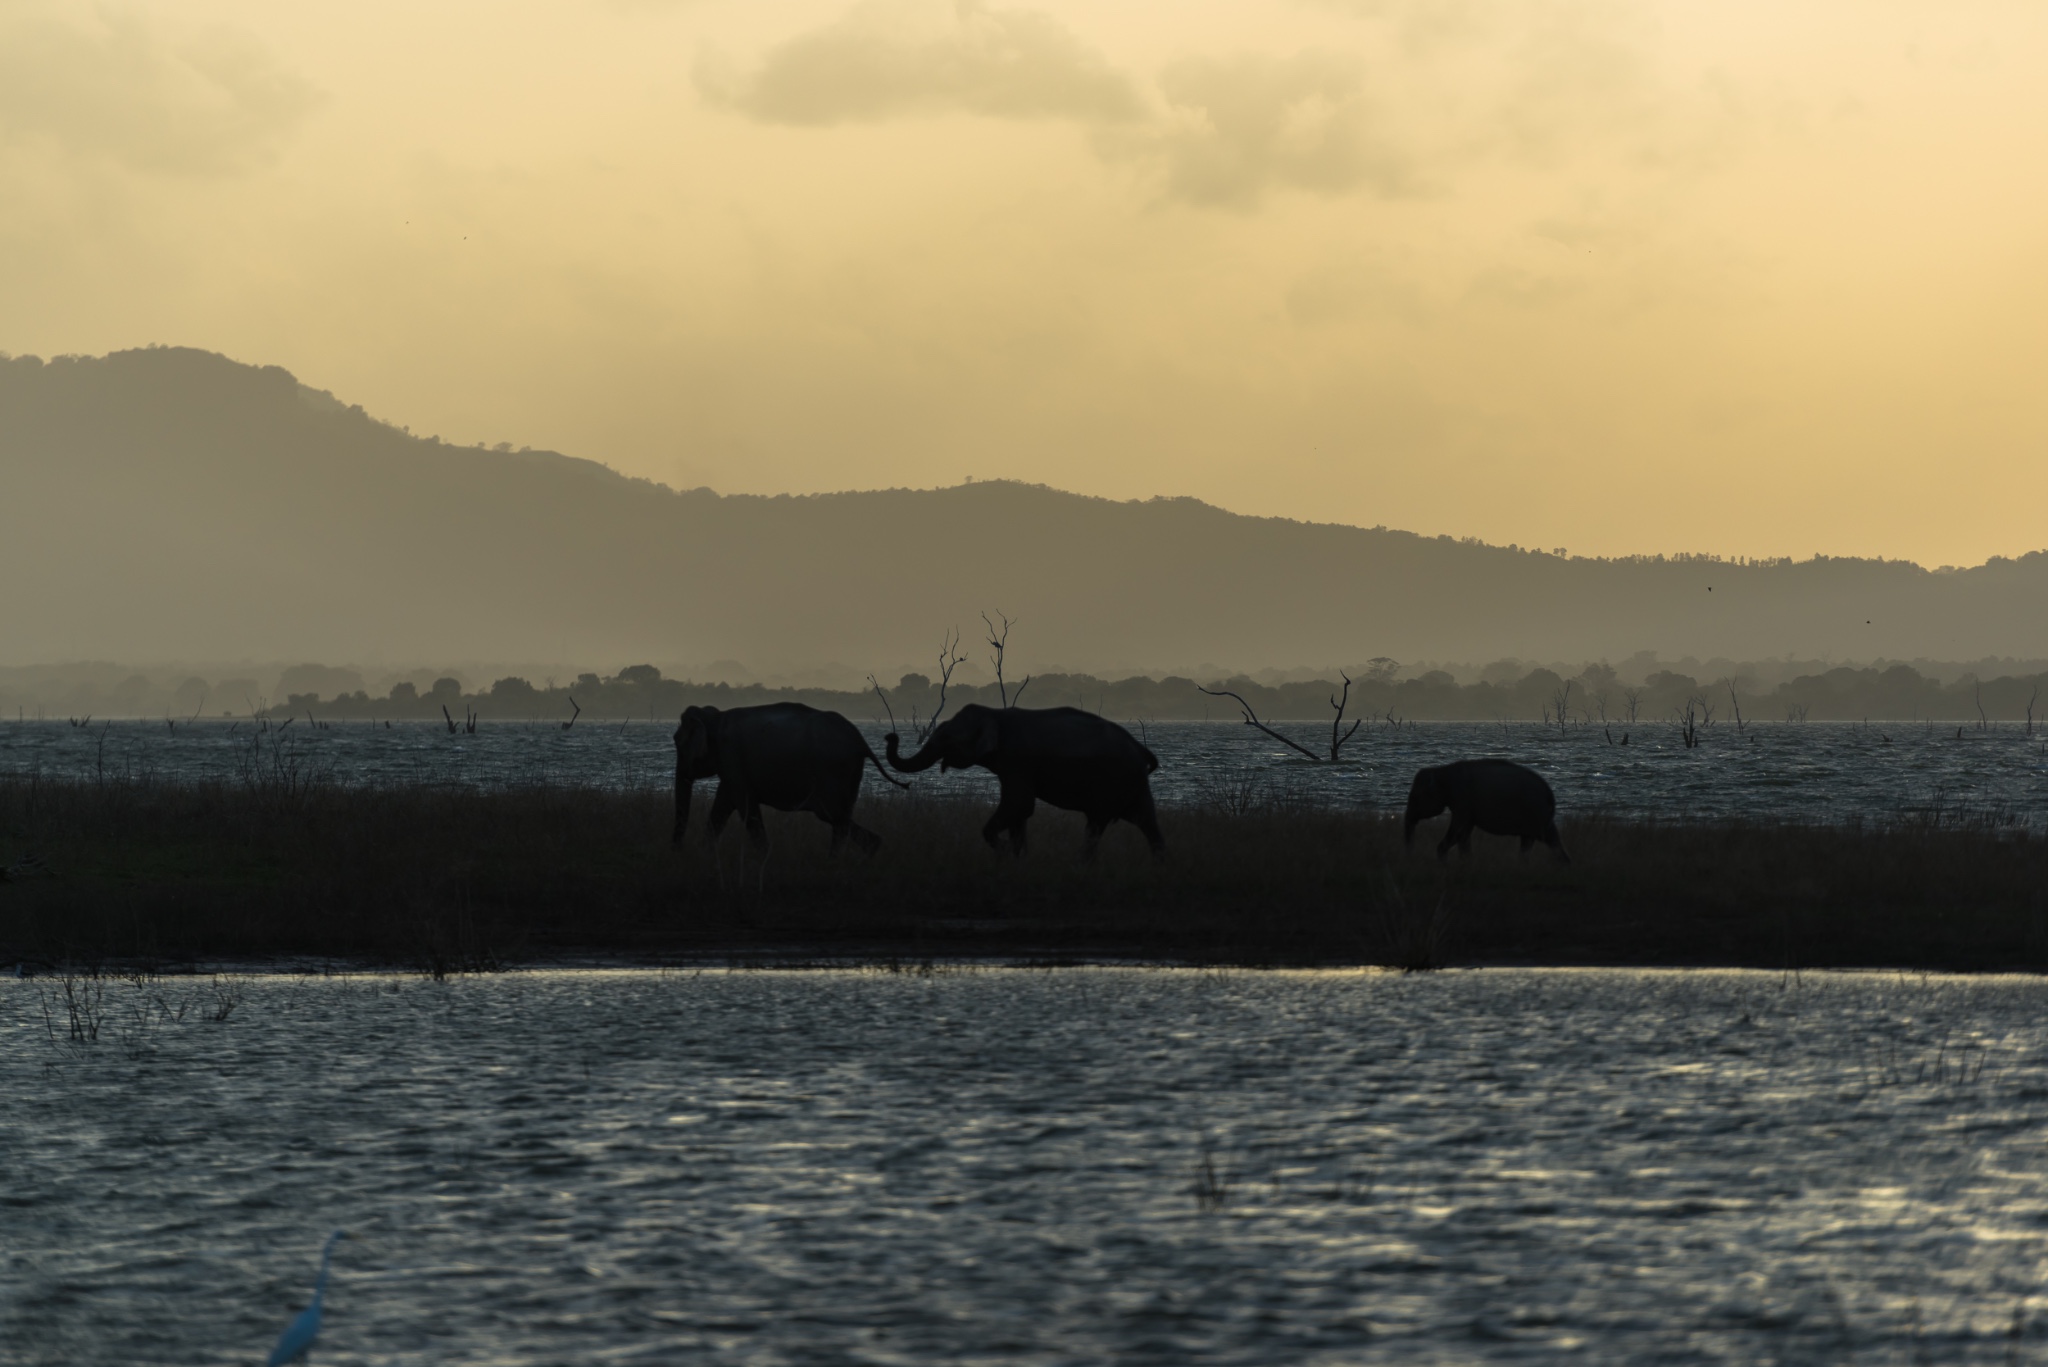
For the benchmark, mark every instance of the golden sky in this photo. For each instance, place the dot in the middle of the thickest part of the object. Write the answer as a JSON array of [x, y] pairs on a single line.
[[1757, 278]]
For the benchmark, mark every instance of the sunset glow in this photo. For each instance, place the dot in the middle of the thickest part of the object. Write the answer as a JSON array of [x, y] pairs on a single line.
[[1615, 277]]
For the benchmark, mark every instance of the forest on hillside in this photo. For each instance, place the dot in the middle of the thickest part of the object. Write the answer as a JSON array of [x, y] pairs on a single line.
[[1595, 696]]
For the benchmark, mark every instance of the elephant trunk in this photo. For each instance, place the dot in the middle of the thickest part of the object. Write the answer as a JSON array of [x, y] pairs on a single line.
[[1425, 800], [683, 786], [917, 763], [1418, 812]]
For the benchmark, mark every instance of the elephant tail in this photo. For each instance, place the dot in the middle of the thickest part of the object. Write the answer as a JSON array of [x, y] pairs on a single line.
[[876, 760]]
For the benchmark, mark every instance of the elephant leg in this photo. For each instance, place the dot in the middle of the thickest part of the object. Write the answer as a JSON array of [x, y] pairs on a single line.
[[1527, 841], [831, 800], [757, 829], [722, 808], [1146, 818], [838, 818], [845, 828], [1460, 834], [1012, 811], [1020, 816], [1552, 839], [1096, 826]]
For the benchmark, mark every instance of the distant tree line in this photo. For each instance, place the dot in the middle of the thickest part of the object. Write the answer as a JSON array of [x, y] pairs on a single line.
[[1594, 697]]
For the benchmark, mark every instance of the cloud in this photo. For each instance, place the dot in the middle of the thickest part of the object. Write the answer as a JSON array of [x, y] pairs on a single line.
[[1239, 127], [1542, 77], [108, 84], [1581, 77], [1356, 290], [881, 62], [1226, 131]]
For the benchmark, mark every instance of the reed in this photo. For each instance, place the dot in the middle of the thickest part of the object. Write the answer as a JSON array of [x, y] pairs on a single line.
[[454, 880]]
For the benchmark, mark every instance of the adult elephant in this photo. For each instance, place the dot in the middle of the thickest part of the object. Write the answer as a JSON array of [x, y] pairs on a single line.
[[782, 755], [1061, 755], [1493, 795]]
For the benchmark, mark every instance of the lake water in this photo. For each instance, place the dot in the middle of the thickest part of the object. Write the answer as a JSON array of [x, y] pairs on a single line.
[[1015, 1166], [1812, 772]]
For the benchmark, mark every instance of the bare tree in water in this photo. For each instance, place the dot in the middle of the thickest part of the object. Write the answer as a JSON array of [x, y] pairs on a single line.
[[1561, 704], [1337, 735]]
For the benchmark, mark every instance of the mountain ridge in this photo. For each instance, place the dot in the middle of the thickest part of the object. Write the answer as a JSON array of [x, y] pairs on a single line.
[[174, 503]]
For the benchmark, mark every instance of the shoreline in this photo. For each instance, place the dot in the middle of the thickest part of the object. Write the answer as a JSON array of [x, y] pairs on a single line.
[[891, 961], [451, 881]]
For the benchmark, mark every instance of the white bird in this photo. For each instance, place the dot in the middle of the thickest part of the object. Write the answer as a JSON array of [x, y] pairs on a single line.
[[297, 1339]]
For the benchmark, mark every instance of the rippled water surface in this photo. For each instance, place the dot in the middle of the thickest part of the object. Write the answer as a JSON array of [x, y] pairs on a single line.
[[1005, 1165], [1821, 771]]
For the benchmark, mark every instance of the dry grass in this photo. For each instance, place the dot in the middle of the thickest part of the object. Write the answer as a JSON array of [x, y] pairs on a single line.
[[452, 881]]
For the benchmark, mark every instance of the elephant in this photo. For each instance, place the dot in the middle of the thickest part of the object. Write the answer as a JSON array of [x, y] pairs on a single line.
[[1072, 759], [1495, 795], [782, 755]]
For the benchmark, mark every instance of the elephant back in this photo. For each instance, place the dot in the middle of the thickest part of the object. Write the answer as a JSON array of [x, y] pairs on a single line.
[[1503, 791], [1073, 734], [790, 733]]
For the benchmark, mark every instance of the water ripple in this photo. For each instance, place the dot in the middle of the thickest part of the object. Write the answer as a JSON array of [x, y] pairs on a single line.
[[1093, 1165]]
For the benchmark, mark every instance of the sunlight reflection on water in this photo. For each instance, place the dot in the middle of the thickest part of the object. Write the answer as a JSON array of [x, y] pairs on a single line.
[[1007, 1165]]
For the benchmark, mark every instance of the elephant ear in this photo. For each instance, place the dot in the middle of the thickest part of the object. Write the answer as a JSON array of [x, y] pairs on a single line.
[[693, 737], [987, 737]]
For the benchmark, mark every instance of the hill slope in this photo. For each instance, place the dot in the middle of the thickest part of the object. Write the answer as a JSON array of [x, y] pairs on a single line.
[[170, 503]]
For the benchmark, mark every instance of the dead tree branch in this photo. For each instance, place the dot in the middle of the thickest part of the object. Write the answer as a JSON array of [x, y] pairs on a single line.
[[885, 702], [950, 659], [1339, 704], [999, 645], [1562, 702], [1251, 718], [1600, 706], [570, 724]]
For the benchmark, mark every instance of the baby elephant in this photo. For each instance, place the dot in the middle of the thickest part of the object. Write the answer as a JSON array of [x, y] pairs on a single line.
[[1497, 796]]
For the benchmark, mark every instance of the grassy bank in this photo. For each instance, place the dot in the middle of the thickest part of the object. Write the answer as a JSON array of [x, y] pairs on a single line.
[[449, 880]]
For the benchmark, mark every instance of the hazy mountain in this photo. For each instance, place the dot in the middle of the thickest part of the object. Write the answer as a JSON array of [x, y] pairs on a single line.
[[172, 504]]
